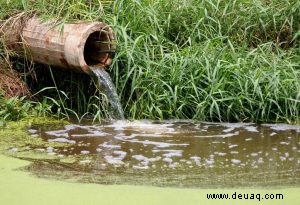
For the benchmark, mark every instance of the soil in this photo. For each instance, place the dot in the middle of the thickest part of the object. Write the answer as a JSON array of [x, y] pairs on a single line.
[[11, 84]]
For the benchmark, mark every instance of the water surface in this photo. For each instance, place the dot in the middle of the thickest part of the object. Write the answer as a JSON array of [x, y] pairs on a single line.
[[180, 153]]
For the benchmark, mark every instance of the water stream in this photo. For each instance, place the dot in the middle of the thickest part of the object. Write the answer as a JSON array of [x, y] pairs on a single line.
[[105, 85]]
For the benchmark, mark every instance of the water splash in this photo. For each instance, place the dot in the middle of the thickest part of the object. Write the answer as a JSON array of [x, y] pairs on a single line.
[[105, 85]]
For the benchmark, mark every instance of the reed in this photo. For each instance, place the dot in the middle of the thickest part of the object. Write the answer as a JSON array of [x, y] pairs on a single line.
[[207, 60]]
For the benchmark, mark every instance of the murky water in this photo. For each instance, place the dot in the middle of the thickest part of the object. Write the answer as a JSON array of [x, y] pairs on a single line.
[[105, 85], [182, 153]]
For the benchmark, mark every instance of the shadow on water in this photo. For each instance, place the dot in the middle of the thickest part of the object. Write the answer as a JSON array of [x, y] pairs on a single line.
[[174, 153]]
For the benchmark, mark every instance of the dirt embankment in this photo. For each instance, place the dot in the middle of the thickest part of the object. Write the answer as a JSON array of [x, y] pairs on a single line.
[[11, 84]]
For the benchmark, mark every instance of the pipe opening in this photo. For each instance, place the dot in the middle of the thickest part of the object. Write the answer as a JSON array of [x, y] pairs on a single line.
[[98, 49]]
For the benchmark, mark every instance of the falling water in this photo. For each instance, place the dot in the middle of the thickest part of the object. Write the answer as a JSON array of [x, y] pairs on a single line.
[[105, 85]]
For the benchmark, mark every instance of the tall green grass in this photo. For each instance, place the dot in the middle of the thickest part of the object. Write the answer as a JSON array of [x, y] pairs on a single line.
[[199, 59]]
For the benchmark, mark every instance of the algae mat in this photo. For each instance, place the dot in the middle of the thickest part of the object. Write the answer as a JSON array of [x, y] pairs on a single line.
[[18, 187]]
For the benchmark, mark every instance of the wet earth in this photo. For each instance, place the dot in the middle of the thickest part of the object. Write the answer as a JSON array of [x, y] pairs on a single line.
[[173, 153]]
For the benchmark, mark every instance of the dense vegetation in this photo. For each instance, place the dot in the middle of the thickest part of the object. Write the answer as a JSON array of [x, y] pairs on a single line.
[[200, 59]]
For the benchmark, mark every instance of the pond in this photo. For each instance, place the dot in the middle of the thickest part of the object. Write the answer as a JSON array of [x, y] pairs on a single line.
[[181, 154]]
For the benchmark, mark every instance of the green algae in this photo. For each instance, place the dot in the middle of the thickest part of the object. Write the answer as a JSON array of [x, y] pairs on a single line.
[[15, 140], [18, 186]]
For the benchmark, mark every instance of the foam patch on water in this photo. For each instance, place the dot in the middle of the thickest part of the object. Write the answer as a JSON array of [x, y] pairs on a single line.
[[144, 125], [251, 128], [254, 154], [62, 140], [232, 126], [219, 136], [221, 154], [113, 160], [235, 161], [74, 126], [140, 157], [146, 160], [116, 158], [121, 154], [58, 133], [110, 146], [173, 153], [232, 146], [32, 131], [84, 152], [154, 143], [283, 127], [196, 159], [93, 133]]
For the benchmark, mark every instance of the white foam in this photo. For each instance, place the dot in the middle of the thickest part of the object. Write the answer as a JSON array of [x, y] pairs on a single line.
[[139, 157], [196, 159], [167, 159], [147, 142], [235, 161], [58, 133], [221, 154], [93, 133], [140, 167], [113, 160], [284, 143], [283, 127], [232, 146], [282, 158], [121, 154], [210, 161], [85, 152], [230, 129], [74, 126], [50, 149], [142, 125], [219, 136], [173, 153], [250, 128], [232, 126], [254, 154], [110, 146], [32, 131], [87, 161], [260, 160], [173, 165], [62, 140]]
